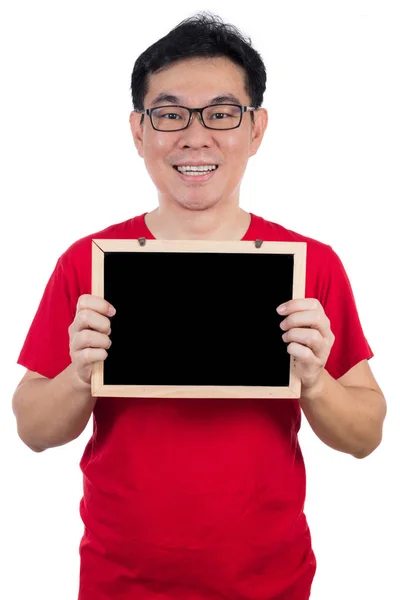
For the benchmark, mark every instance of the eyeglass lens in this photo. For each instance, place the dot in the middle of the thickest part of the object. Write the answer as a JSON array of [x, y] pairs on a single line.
[[221, 116]]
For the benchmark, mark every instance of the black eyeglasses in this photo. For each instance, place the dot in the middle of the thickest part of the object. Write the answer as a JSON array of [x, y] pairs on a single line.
[[214, 116]]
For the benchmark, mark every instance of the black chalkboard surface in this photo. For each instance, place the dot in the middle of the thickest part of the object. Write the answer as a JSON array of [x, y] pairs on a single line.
[[197, 318]]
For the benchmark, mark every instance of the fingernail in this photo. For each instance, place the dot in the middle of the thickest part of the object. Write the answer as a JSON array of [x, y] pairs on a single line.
[[281, 309], [111, 311]]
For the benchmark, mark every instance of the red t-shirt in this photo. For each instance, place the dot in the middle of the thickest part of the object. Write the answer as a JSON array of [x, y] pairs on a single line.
[[199, 499]]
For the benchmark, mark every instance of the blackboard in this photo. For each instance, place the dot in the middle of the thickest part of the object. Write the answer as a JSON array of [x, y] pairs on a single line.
[[197, 318]]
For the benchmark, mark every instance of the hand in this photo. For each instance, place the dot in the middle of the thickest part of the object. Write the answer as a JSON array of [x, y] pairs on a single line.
[[309, 336], [88, 334]]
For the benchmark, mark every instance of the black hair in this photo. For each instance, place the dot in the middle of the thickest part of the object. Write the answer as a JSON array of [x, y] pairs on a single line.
[[202, 35]]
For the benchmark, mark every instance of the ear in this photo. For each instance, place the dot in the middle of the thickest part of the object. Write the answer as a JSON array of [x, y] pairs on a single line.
[[258, 129], [137, 131]]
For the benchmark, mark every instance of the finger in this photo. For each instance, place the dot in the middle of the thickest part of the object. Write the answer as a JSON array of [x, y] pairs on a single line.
[[299, 304], [89, 356], [311, 338], [314, 318], [303, 354], [89, 339], [89, 319], [95, 303]]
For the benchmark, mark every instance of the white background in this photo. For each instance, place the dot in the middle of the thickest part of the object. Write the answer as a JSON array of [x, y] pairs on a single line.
[[328, 168]]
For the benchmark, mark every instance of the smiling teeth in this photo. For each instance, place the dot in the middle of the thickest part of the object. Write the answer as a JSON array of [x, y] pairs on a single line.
[[198, 169]]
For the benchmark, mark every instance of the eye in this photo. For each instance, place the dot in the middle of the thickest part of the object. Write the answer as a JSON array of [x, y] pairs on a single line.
[[168, 113], [219, 114], [170, 116]]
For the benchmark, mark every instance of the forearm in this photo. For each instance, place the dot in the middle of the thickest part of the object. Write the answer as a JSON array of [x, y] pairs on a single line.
[[52, 412], [348, 419]]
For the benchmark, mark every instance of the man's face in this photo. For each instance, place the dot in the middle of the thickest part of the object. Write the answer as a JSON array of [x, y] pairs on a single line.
[[195, 83]]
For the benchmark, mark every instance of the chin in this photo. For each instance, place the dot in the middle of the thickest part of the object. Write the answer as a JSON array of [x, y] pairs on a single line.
[[195, 204]]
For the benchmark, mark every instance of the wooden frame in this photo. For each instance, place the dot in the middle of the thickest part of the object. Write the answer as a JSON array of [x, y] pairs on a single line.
[[100, 247]]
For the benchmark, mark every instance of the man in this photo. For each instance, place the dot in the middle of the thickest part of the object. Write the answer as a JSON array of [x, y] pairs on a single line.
[[201, 499]]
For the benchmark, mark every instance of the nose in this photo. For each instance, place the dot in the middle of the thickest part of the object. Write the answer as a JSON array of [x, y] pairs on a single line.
[[196, 115], [195, 133]]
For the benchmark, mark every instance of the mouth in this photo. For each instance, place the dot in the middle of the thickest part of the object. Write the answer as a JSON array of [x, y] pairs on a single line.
[[196, 174]]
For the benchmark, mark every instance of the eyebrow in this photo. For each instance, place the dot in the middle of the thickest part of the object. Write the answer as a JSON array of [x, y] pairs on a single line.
[[164, 97]]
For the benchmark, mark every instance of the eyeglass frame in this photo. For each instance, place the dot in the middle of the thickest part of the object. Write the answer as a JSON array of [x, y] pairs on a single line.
[[149, 111]]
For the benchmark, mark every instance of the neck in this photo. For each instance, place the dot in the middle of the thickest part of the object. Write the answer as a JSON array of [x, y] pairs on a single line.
[[216, 223]]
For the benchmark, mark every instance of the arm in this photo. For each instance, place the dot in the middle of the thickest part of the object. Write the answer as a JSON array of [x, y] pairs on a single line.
[[53, 412], [347, 414]]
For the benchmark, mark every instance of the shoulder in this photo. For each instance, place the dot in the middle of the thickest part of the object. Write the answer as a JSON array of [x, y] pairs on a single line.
[[74, 266], [271, 231], [324, 268], [81, 249]]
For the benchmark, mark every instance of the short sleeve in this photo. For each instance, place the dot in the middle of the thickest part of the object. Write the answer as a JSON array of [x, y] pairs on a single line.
[[350, 346], [46, 347]]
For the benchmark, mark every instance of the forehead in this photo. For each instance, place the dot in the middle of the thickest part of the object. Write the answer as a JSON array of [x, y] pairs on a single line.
[[198, 81]]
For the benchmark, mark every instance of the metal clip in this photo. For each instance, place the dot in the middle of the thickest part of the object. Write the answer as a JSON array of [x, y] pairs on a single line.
[[142, 241], [258, 243]]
